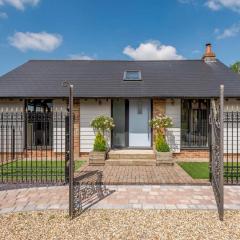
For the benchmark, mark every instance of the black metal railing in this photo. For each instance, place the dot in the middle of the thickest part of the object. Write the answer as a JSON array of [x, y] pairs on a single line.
[[231, 147], [194, 123], [32, 147], [196, 134]]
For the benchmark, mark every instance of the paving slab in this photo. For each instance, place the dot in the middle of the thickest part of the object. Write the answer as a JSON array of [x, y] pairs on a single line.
[[121, 197]]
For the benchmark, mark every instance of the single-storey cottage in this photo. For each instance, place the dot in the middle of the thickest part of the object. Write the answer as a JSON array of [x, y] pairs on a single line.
[[132, 92]]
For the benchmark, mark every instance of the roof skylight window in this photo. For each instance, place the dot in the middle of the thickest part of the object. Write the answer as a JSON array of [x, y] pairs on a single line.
[[131, 75]]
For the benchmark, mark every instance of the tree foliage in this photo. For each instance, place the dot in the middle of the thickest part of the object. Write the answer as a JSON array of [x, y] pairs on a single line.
[[236, 67]]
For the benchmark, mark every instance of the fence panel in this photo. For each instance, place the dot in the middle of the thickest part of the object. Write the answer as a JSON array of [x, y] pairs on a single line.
[[231, 147], [32, 147]]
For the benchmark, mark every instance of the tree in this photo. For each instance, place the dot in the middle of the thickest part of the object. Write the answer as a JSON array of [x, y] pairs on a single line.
[[236, 67]]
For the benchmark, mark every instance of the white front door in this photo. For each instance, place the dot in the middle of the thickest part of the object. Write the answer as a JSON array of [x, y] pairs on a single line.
[[139, 116]]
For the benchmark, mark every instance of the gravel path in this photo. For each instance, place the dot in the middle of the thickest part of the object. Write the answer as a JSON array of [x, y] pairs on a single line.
[[121, 224]]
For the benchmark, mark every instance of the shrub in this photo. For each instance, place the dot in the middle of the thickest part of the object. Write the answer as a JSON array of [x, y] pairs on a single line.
[[100, 144], [101, 125], [159, 124], [161, 144]]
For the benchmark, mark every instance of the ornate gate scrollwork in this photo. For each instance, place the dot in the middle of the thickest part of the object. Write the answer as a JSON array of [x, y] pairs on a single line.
[[216, 151]]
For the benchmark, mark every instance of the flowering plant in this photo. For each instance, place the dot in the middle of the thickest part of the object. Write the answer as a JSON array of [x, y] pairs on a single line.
[[160, 123], [101, 125]]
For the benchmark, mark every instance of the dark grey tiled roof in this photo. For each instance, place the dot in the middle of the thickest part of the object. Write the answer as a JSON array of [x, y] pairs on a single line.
[[180, 78]]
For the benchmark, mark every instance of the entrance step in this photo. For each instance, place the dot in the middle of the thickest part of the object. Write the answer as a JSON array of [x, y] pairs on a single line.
[[130, 162], [166, 162], [132, 154], [131, 158]]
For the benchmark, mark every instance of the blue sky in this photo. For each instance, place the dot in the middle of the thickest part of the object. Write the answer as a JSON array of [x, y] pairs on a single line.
[[111, 29]]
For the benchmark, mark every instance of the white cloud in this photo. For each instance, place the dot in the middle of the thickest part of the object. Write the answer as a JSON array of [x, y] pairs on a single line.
[[229, 32], [19, 4], [216, 5], [152, 50], [80, 56], [3, 15], [41, 41]]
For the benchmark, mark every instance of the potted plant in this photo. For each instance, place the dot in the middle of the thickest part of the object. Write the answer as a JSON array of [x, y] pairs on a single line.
[[163, 151], [102, 126]]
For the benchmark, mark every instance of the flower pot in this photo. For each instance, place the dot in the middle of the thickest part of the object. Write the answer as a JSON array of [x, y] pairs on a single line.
[[97, 158], [165, 158]]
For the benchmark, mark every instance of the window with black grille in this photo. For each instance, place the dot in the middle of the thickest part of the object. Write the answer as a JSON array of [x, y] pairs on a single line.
[[39, 124], [194, 123]]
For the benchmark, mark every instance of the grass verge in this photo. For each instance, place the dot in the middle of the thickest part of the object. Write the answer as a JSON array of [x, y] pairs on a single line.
[[35, 170], [200, 170], [197, 170]]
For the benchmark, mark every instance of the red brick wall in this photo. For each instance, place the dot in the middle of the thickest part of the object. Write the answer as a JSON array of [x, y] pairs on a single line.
[[192, 154], [159, 107], [33, 155]]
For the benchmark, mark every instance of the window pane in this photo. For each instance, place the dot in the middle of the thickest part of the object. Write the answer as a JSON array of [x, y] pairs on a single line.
[[119, 132], [132, 75], [139, 107], [39, 105], [194, 123], [39, 123]]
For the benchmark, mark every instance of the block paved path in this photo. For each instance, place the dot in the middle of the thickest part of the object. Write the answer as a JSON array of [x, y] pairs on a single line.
[[114, 175], [121, 197]]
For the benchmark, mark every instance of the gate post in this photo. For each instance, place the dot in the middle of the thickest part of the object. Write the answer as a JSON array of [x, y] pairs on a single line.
[[221, 152], [217, 151], [69, 150]]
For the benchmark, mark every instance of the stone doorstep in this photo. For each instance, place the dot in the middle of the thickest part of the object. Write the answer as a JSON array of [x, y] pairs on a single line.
[[96, 164], [130, 162], [131, 154], [165, 163]]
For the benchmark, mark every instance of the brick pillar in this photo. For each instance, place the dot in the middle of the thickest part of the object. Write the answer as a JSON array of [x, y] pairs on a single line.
[[159, 107], [76, 111]]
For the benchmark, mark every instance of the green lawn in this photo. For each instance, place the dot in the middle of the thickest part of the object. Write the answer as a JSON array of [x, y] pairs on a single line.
[[35, 170], [197, 170], [200, 170]]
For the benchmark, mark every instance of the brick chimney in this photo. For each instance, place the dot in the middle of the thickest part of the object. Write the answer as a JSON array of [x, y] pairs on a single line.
[[209, 55]]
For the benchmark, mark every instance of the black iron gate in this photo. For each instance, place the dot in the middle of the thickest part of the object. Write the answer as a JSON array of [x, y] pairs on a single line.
[[32, 147], [216, 151], [36, 147]]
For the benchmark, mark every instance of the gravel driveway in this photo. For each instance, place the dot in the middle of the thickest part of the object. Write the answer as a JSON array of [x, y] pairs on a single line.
[[121, 224]]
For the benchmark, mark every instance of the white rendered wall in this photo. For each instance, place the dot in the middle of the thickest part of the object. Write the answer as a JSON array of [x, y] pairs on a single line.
[[11, 125], [59, 113], [173, 110], [232, 131], [90, 109]]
